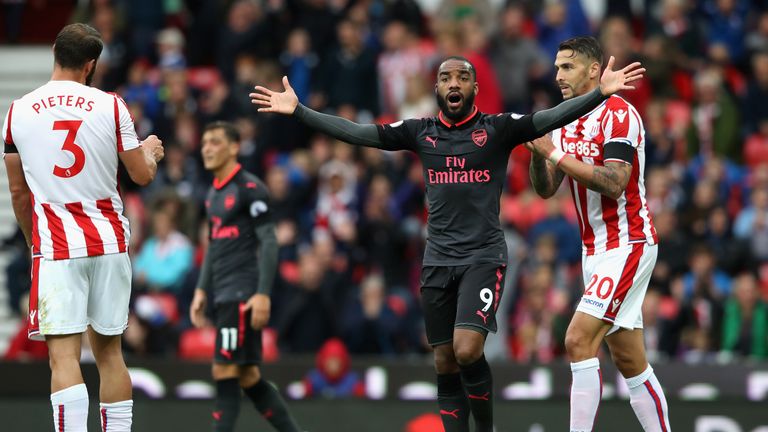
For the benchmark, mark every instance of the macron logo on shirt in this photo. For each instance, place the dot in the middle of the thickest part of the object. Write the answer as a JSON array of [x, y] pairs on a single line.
[[621, 115]]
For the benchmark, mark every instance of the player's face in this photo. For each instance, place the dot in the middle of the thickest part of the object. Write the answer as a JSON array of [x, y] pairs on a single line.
[[576, 74], [217, 150], [455, 89]]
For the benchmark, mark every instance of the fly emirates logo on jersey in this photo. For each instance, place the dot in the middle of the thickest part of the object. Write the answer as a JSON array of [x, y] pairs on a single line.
[[455, 173]]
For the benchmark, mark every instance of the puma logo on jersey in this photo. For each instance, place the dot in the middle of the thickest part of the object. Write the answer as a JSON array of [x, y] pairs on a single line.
[[432, 141], [615, 304], [621, 115]]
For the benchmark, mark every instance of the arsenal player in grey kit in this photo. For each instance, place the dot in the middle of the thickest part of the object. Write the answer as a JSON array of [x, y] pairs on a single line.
[[239, 269], [464, 153]]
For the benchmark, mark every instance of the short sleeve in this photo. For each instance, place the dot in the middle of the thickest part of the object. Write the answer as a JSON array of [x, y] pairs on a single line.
[[124, 127], [621, 123], [400, 135], [516, 128], [9, 145], [259, 203]]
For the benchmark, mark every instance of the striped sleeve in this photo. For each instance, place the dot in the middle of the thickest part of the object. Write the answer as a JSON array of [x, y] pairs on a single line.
[[10, 146], [125, 131], [621, 123]]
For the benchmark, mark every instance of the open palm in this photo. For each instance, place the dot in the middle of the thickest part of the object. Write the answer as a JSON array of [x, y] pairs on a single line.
[[615, 81], [270, 101]]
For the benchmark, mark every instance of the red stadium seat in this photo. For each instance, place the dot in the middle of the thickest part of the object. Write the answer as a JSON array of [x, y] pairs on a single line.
[[197, 344]]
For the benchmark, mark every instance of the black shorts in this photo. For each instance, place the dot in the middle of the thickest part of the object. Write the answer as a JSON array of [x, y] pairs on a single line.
[[236, 341], [461, 296]]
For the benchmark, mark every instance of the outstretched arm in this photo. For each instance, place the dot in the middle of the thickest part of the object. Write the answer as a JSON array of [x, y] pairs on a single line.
[[545, 177], [286, 102], [610, 82]]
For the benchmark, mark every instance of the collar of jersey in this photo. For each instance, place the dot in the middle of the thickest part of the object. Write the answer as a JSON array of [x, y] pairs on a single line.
[[457, 124], [220, 184]]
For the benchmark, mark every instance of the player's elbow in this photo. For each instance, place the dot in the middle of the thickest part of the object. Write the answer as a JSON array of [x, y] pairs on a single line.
[[143, 177], [19, 190], [544, 193], [616, 193]]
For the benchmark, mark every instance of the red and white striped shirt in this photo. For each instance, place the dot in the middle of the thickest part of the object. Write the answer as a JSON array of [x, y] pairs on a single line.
[[607, 223], [68, 137]]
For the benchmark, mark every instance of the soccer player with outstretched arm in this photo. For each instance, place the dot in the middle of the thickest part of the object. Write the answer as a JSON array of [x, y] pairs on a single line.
[[603, 155], [464, 154]]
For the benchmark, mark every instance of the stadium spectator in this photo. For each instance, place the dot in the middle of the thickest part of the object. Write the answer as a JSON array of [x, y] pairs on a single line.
[[309, 317], [165, 257], [714, 128], [517, 59], [299, 62], [745, 320], [368, 323], [332, 377], [752, 224], [348, 73]]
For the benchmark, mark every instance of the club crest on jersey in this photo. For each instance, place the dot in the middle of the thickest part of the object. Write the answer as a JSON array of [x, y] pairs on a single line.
[[229, 201], [479, 137]]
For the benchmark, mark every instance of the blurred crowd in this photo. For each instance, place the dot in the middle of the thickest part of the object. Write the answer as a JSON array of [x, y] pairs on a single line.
[[351, 221]]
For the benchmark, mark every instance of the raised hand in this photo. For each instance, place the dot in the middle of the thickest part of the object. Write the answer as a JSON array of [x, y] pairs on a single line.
[[269, 101], [615, 81]]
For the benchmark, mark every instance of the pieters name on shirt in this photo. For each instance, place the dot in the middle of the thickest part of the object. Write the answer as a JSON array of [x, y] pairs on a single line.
[[456, 173]]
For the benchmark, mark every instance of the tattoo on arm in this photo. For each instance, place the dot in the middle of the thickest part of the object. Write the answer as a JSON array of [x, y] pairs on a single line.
[[545, 177], [611, 179]]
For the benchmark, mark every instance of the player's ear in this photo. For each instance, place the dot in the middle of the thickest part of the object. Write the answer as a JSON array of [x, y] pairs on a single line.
[[594, 70], [476, 88]]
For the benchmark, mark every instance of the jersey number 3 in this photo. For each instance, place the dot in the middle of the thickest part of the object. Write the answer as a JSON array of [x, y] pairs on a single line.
[[71, 126]]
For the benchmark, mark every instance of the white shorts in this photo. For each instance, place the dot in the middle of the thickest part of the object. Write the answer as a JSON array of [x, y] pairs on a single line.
[[69, 295], [615, 283]]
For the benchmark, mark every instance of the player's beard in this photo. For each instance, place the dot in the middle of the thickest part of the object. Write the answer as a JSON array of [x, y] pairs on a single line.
[[89, 78], [462, 113]]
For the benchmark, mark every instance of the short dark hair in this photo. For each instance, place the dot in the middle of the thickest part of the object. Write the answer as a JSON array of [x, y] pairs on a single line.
[[464, 59], [229, 129], [77, 44], [587, 46]]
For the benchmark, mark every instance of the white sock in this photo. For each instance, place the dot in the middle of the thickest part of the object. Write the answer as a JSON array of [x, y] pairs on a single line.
[[586, 390], [70, 409], [647, 399], [117, 416]]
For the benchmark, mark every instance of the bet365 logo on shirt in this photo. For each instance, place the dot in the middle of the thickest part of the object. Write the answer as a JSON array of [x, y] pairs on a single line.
[[582, 148]]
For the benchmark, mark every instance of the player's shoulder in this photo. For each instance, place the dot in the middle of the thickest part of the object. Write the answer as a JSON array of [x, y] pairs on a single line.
[[250, 181], [412, 123], [618, 103]]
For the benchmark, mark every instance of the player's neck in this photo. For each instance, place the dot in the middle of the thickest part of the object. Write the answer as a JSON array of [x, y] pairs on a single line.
[[61, 74], [225, 171]]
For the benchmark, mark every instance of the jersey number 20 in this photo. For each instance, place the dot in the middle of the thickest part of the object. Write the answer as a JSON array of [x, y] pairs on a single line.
[[71, 126]]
